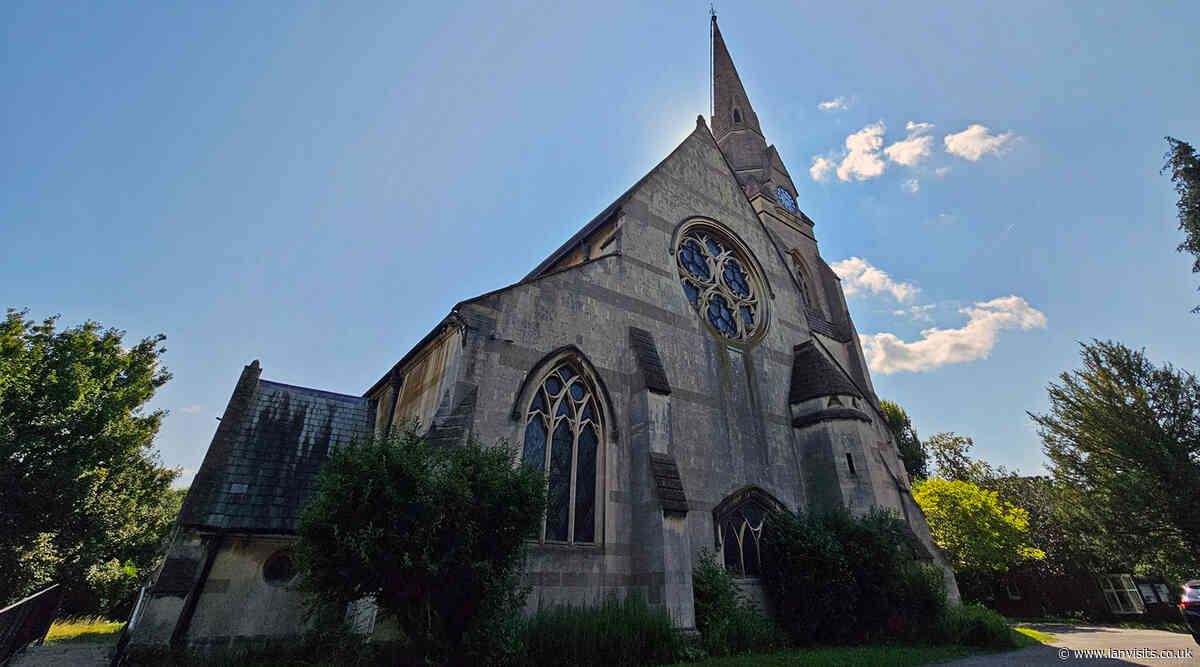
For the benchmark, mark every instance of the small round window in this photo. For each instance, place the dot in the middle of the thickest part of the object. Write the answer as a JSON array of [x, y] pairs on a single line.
[[721, 283], [278, 570]]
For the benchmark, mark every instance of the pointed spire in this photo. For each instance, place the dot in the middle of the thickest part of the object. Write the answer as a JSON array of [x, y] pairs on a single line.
[[731, 105]]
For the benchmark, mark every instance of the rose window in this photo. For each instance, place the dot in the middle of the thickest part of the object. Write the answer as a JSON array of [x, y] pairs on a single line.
[[719, 284]]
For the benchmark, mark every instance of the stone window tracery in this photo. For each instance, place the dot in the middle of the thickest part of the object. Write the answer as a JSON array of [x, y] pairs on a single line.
[[720, 283], [802, 278], [563, 432], [740, 520]]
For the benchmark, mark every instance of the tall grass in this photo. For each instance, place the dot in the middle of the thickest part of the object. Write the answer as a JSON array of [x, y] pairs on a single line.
[[87, 628], [617, 632]]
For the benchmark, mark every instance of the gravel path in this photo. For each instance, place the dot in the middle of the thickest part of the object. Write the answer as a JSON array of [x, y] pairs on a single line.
[[66, 654]]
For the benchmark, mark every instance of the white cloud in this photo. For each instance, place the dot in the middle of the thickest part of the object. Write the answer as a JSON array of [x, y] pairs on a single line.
[[887, 354], [858, 276], [862, 154], [914, 148], [976, 141], [912, 185], [821, 168], [942, 171], [836, 104], [917, 312], [192, 409]]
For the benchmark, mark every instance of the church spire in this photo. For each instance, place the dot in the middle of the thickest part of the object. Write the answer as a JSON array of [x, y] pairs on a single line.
[[735, 125], [731, 106]]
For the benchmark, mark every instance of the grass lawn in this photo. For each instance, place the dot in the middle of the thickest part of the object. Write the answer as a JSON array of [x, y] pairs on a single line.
[[1166, 626], [84, 629], [888, 655], [1029, 636]]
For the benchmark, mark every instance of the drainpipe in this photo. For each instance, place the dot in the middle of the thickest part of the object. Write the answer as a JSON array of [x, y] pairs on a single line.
[[189, 604]]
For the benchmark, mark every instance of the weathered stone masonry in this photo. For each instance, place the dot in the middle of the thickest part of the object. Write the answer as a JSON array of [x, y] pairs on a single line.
[[700, 421]]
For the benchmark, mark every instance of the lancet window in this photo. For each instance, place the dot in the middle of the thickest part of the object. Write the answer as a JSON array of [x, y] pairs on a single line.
[[563, 435], [803, 279]]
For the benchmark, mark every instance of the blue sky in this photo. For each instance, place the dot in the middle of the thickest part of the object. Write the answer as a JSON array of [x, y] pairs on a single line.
[[316, 185]]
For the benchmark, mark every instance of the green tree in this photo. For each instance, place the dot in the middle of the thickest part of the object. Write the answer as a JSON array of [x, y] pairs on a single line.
[[1184, 166], [981, 535], [79, 482], [952, 460], [1124, 436], [1060, 524], [434, 534], [912, 452]]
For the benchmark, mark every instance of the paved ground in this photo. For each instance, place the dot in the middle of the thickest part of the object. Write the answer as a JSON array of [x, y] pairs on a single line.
[[66, 654], [1071, 640], [1062, 651]]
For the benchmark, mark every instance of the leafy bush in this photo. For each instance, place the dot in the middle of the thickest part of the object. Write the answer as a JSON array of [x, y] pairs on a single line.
[[617, 632], [435, 534], [835, 578], [973, 625], [727, 623]]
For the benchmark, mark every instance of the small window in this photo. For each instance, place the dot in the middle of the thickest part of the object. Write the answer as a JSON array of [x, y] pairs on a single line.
[[279, 570], [737, 116], [1121, 595], [850, 463]]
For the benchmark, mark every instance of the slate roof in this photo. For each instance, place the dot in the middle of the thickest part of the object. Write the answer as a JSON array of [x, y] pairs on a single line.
[[648, 361], [668, 484], [818, 323], [814, 375], [262, 466]]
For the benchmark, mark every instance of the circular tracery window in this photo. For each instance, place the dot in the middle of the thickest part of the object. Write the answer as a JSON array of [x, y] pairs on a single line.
[[720, 283]]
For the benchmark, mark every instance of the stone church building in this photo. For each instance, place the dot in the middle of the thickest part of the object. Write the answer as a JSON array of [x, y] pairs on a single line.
[[680, 367]]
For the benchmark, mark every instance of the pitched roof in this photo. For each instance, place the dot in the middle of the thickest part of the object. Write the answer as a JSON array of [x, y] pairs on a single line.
[[267, 454], [612, 209], [814, 375]]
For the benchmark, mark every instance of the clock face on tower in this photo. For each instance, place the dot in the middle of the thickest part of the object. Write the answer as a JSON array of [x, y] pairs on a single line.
[[785, 198]]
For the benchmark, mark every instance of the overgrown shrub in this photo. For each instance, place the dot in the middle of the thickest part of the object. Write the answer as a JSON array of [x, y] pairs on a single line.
[[835, 578], [434, 534], [617, 632], [973, 625], [727, 623]]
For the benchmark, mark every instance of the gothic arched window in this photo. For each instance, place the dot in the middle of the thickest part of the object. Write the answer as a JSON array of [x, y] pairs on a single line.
[[720, 282], [803, 279], [563, 433], [739, 521]]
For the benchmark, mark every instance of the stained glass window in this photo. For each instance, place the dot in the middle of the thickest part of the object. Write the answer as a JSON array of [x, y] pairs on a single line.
[[719, 283], [562, 438]]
